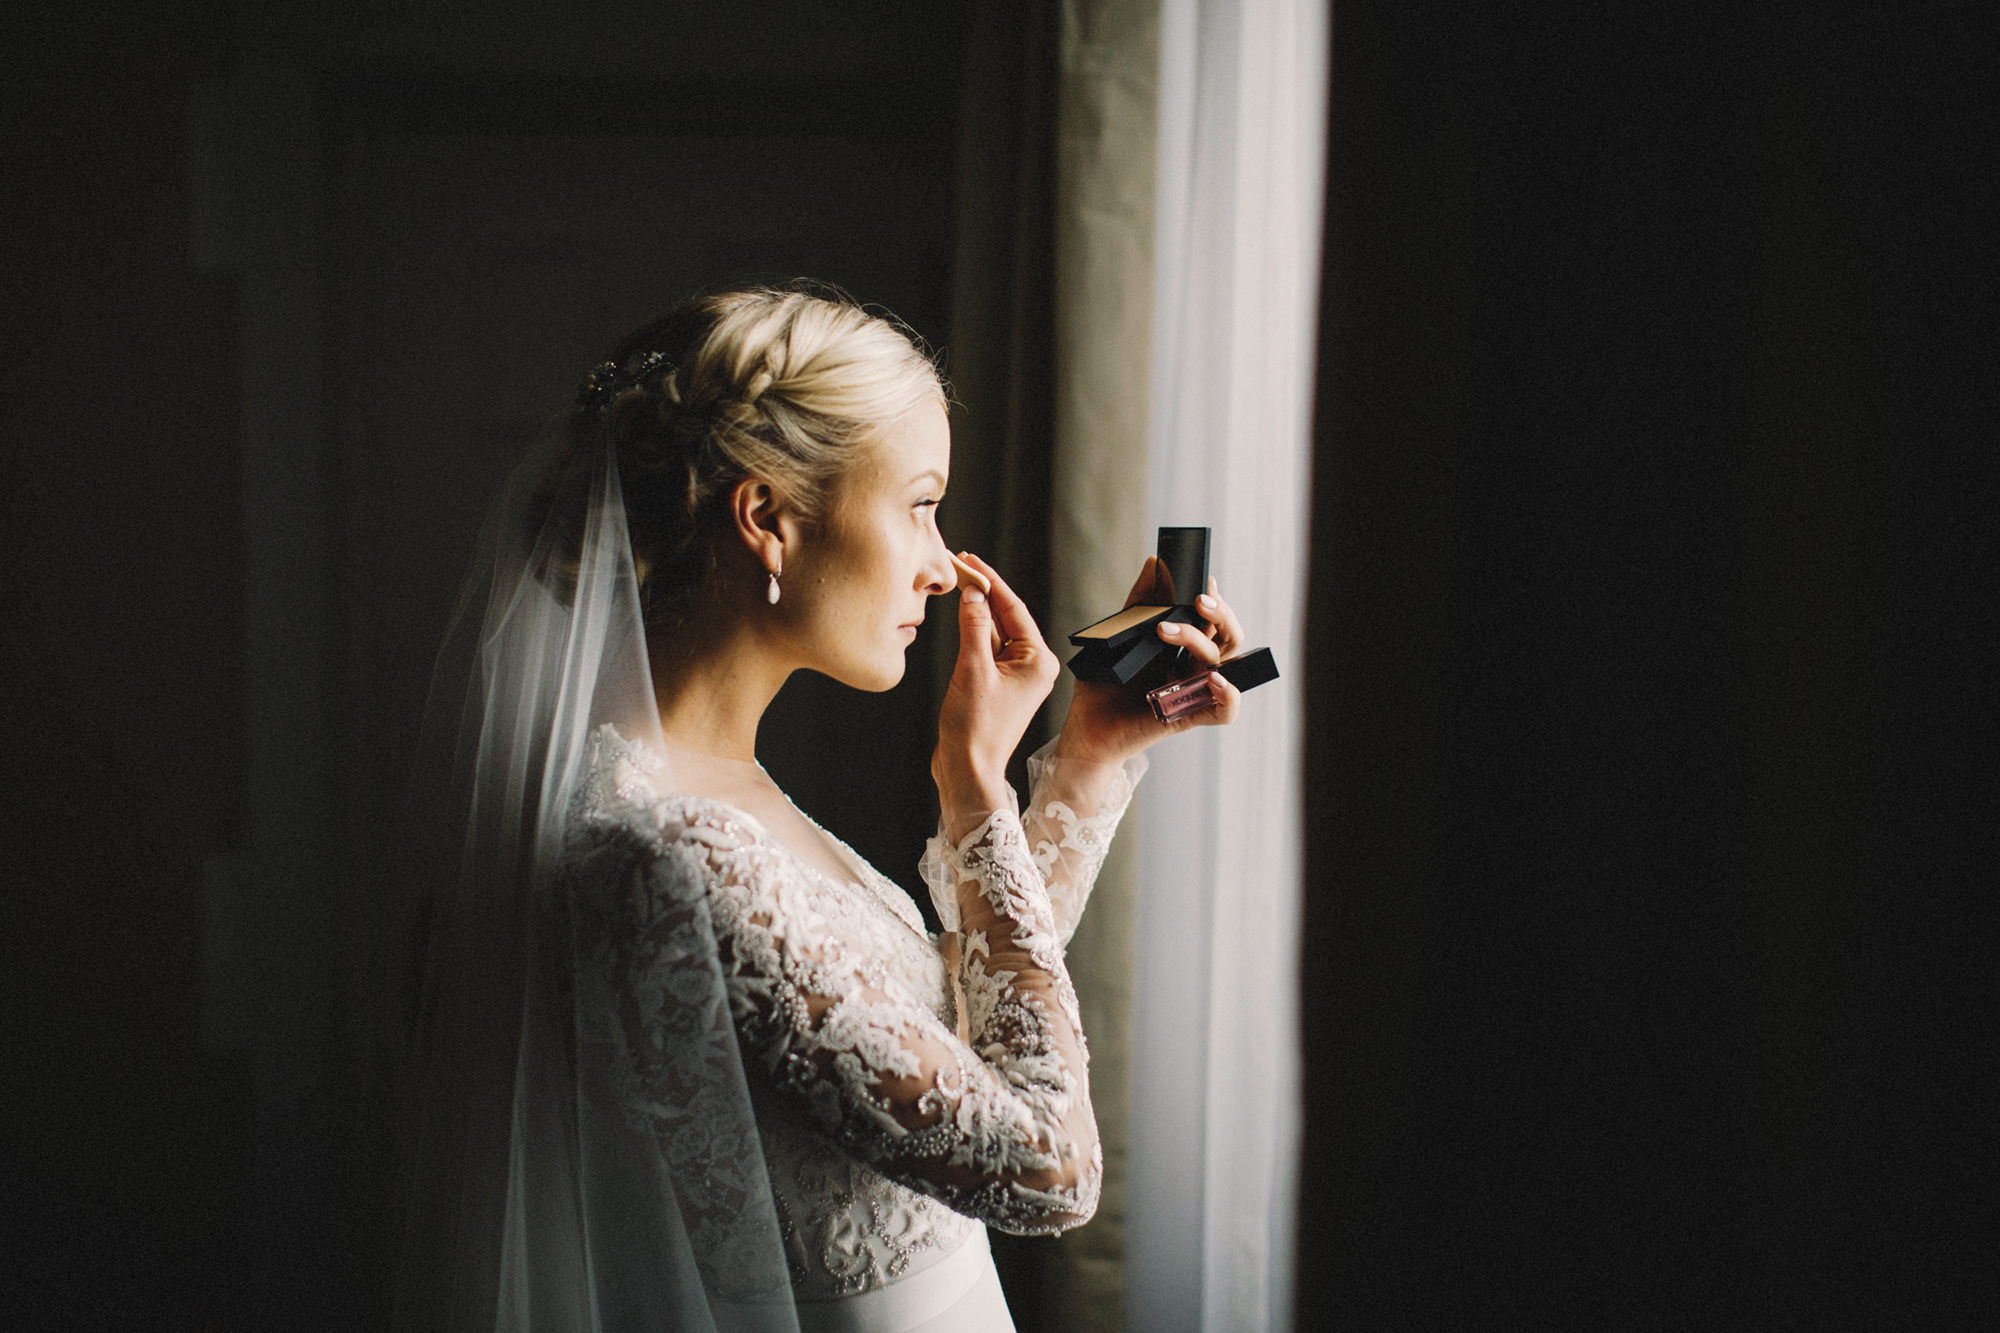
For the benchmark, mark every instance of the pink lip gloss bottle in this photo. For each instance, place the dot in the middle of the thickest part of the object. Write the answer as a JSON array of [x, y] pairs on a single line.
[[1178, 698]]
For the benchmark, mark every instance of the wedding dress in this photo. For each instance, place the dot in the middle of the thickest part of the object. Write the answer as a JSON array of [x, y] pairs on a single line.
[[888, 1141], [664, 1073]]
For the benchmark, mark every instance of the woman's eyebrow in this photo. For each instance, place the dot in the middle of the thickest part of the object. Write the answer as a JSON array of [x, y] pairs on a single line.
[[927, 472]]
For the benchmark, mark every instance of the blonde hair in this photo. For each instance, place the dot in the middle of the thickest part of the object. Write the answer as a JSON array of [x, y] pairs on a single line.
[[782, 385]]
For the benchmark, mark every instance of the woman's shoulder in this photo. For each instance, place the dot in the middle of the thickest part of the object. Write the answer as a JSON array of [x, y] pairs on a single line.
[[626, 800]]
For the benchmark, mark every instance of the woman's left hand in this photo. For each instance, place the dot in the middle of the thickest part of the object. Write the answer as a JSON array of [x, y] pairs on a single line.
[[1109, 723]]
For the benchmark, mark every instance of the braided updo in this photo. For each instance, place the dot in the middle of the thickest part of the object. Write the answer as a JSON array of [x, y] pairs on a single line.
[[781, 385]]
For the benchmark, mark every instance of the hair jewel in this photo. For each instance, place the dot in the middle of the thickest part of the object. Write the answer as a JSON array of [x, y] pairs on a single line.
[[606, 381]]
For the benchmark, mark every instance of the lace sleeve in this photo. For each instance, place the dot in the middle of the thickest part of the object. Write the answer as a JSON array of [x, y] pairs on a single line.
[[1073, 809], [999, 1128], [655, 1019]]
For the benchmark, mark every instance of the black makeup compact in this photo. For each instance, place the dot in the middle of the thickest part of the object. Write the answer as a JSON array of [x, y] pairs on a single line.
[[1126, 648]]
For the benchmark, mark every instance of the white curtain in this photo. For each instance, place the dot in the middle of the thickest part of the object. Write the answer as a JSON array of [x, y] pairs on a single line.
[[1215, 1093]]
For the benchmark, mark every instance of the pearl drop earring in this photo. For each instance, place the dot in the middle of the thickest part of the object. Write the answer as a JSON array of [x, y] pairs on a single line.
[[771, 593]]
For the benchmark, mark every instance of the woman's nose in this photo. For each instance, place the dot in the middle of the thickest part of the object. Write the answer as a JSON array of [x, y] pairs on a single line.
[[938, 575]]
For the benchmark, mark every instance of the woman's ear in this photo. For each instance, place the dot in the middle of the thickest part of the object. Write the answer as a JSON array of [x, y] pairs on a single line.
[[760, 520]]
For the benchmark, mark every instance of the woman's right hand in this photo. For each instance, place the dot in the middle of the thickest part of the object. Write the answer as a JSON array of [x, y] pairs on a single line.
[[1004, 671]]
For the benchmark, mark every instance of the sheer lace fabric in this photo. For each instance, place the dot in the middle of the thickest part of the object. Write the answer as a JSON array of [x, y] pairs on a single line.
[[1073, 810], [884, 1139]]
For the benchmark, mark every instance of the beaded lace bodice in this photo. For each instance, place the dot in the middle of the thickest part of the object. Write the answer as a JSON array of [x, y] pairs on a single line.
[[885, 1135]]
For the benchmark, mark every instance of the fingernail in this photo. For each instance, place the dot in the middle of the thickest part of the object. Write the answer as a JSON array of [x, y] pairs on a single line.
[[1205, 602], [973, 595]]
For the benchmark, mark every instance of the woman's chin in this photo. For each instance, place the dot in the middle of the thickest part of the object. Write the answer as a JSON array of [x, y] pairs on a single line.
[[875, 677]]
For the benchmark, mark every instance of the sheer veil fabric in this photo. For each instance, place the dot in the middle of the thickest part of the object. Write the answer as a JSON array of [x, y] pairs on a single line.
[[536, 1200]]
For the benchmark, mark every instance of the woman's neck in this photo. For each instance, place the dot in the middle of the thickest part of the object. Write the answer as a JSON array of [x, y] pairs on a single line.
[[712, 691]]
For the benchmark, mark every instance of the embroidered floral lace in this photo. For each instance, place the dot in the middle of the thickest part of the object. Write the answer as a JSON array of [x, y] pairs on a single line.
[[883, 1137]]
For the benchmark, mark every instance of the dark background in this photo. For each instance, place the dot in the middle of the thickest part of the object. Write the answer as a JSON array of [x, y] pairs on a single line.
[[287, 290], [1650, 853], [1647, 835]]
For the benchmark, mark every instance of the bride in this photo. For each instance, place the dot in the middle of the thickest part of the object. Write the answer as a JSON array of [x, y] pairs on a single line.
[[687, 1061]]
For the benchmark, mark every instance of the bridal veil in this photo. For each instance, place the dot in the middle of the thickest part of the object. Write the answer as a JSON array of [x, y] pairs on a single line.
[[536, 1200]]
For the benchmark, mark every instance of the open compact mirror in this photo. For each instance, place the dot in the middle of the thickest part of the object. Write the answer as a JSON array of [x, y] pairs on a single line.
[[1125, 647]]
